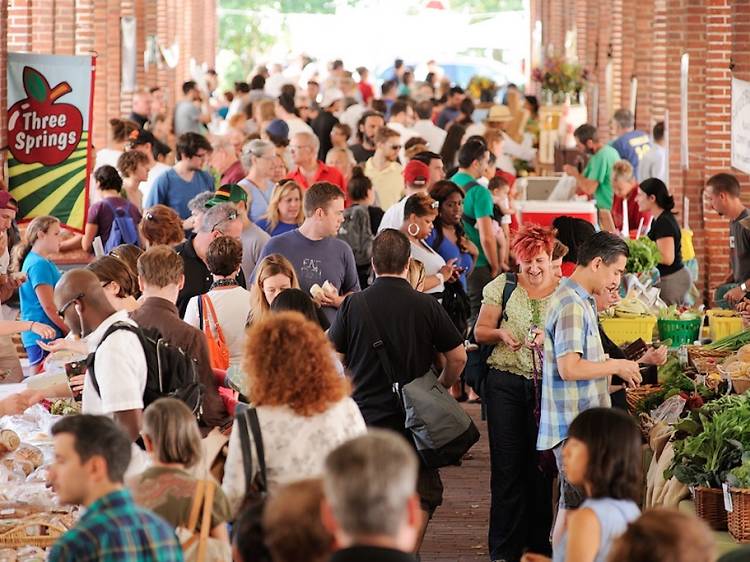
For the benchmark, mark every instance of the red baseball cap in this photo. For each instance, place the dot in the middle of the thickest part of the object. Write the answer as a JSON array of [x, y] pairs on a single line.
[[416, 173], [7, 202]]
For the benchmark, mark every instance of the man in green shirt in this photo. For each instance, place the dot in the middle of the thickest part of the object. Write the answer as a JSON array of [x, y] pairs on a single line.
[[596, 179], [472, 161]]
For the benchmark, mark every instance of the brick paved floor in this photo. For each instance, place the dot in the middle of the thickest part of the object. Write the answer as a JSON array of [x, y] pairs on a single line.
[[458, 532]]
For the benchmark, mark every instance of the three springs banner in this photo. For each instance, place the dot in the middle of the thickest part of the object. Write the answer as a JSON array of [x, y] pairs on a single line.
[[50, 106]]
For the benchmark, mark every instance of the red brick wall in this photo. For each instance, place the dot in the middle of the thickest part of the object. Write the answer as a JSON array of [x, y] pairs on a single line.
[[647, 39], [93, 26]]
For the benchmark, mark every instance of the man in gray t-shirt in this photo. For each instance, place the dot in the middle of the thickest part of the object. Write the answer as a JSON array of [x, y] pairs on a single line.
[[723, 192], [315, 252], [189, 115]]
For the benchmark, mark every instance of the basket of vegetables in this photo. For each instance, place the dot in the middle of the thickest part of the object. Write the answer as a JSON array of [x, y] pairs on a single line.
[[738, 520], [708, 443], [643, 256], [683, 328]]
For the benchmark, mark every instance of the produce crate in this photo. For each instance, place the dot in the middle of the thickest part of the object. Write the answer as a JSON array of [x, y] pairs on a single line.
[[739, 518], [626, 330], [681, 332], [723, 326], [709, 506]]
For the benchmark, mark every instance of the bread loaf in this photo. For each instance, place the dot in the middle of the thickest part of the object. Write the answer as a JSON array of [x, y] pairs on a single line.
[[9, 441]]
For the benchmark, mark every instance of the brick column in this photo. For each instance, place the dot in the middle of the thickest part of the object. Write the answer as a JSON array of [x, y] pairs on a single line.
[[3, 85]]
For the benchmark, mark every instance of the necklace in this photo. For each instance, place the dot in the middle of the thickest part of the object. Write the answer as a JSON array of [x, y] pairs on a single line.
[[223, 283]]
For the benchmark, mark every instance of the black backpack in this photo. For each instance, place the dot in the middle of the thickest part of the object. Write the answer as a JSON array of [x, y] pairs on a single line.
[[475, 373], [171, 372]]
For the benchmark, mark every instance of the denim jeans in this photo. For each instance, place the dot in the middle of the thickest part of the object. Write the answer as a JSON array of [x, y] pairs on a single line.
[[521, 503]]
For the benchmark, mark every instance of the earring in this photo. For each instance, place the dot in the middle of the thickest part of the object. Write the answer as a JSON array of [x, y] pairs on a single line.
[[408, 229]]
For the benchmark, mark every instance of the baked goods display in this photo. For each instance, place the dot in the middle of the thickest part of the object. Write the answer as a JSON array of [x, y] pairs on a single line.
[[31, 518]]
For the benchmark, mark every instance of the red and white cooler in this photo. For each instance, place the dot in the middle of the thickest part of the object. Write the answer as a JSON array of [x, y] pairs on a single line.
[[544, 212]]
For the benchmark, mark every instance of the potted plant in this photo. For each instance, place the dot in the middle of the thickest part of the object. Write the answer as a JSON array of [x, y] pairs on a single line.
[[560, 80]]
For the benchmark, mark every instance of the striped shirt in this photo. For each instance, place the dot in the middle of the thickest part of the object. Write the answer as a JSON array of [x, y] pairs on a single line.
[[115, 529], [571, 327]]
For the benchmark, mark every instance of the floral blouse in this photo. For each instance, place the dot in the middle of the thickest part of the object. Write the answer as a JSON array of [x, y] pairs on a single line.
[[522, 313], [295, 446]]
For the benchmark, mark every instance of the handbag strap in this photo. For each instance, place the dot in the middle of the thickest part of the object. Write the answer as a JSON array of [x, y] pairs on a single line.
[[196, 505], [200, 312], [208, 505], [214, 318], [249, 424], [379, 347]]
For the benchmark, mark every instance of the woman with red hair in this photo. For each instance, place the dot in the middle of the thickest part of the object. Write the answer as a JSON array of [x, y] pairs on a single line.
[[520, 512]]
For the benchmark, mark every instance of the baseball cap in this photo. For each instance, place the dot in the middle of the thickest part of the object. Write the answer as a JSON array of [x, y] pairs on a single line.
[[416, 173], [227, 193], [278, 128], [7, 202], [331, 96], [499, 114]]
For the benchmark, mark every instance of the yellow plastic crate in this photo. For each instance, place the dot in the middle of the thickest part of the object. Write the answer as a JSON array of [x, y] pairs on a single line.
[[626, 330], [723, 326]]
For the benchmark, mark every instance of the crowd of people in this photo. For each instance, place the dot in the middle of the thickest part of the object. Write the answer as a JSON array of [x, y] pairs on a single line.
[[299, 234]]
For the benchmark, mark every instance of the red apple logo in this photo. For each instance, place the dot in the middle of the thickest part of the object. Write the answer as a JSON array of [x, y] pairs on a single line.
[[40, 130]]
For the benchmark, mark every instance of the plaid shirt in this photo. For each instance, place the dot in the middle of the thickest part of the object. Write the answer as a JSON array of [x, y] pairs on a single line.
[[571, 327], [115, 529]]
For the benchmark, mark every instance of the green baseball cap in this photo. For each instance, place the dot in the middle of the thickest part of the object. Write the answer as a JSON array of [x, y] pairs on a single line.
[[227, 193]]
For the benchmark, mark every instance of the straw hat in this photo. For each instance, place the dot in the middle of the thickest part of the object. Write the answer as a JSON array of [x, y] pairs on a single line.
[[499, 114]]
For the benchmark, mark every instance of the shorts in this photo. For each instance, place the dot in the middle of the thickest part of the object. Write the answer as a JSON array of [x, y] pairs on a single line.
[[571, 497], [35, 354]]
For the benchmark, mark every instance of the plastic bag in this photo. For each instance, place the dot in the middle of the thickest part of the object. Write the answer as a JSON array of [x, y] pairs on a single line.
[[670, 410]]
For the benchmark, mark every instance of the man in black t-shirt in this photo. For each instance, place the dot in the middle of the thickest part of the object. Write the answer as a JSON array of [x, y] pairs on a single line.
[[413, 327], [368, 125]]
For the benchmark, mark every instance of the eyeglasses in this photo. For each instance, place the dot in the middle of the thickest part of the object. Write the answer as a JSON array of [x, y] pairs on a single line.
[[233, 215], [66, 306], [396, 146]]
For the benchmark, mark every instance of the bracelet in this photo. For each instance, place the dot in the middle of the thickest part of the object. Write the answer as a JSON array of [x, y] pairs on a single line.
[[31, 328], [440, 276]]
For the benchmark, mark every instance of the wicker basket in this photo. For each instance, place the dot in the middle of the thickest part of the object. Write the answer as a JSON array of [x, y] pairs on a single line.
[[45, 536], [709, 506], [739, 517]]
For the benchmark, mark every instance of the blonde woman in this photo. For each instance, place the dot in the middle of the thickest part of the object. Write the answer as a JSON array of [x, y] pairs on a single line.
[[32, 258], [272, 275], [172, 438], [285, 211]]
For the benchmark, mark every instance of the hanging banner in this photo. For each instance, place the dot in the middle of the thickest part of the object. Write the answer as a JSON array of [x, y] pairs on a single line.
[[741, 125], [50, 100]]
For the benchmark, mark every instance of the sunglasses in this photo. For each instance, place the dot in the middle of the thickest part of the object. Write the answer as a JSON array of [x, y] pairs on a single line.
[[396, 146], [233, 215], [66, 306]]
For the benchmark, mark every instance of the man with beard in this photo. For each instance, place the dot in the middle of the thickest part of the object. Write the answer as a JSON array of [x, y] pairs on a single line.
[[368, 125], [596, 179]]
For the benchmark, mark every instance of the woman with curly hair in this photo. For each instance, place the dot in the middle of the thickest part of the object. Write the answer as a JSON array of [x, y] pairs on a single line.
[[304, 405], [285, 211], [521, 493]]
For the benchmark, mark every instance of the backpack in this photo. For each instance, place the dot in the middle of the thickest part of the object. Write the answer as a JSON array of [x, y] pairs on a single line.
[[356, 231], [476, 371], [171, 372], [123, 229]]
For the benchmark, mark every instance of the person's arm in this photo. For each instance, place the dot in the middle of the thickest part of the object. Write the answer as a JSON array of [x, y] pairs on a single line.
[[45, 294], [573, 367], [349, 285], [584, 531], [18, 403], [131, 421], [666, 248], [10, 327], [432, 281], [487, 331], [585, 185], [455, 361], [488, 243], [220, 532], [89, 233]]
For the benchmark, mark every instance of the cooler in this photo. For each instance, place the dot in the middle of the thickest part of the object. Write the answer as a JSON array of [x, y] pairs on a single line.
[[544, 212]]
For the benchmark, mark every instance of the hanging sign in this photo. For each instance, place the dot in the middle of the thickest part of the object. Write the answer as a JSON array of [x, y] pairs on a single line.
[[741, 125]]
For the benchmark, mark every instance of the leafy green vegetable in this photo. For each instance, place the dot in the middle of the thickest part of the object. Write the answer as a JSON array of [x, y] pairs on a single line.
[[644, 255], [731, 343], [711, 442]]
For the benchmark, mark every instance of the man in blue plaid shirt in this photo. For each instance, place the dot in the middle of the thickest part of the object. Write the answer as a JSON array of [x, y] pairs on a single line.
[[576, 371], [91, 456]]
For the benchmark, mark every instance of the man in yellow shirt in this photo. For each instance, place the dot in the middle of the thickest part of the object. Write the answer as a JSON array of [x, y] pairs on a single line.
[[384, 169]]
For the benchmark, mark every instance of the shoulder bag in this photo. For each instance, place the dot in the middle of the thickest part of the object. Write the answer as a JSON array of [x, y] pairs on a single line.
[[198, 546], [256, 485], [218, 350], [441, 430]]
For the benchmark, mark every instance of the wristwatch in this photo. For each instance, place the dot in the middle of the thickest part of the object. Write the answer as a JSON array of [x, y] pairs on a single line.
[[743, 286]]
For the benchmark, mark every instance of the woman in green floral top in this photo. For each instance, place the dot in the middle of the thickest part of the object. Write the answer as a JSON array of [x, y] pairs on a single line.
[[520, 512]]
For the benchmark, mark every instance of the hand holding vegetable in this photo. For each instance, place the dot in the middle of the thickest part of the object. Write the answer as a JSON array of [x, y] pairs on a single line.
[[628, 371], [654, 356]]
